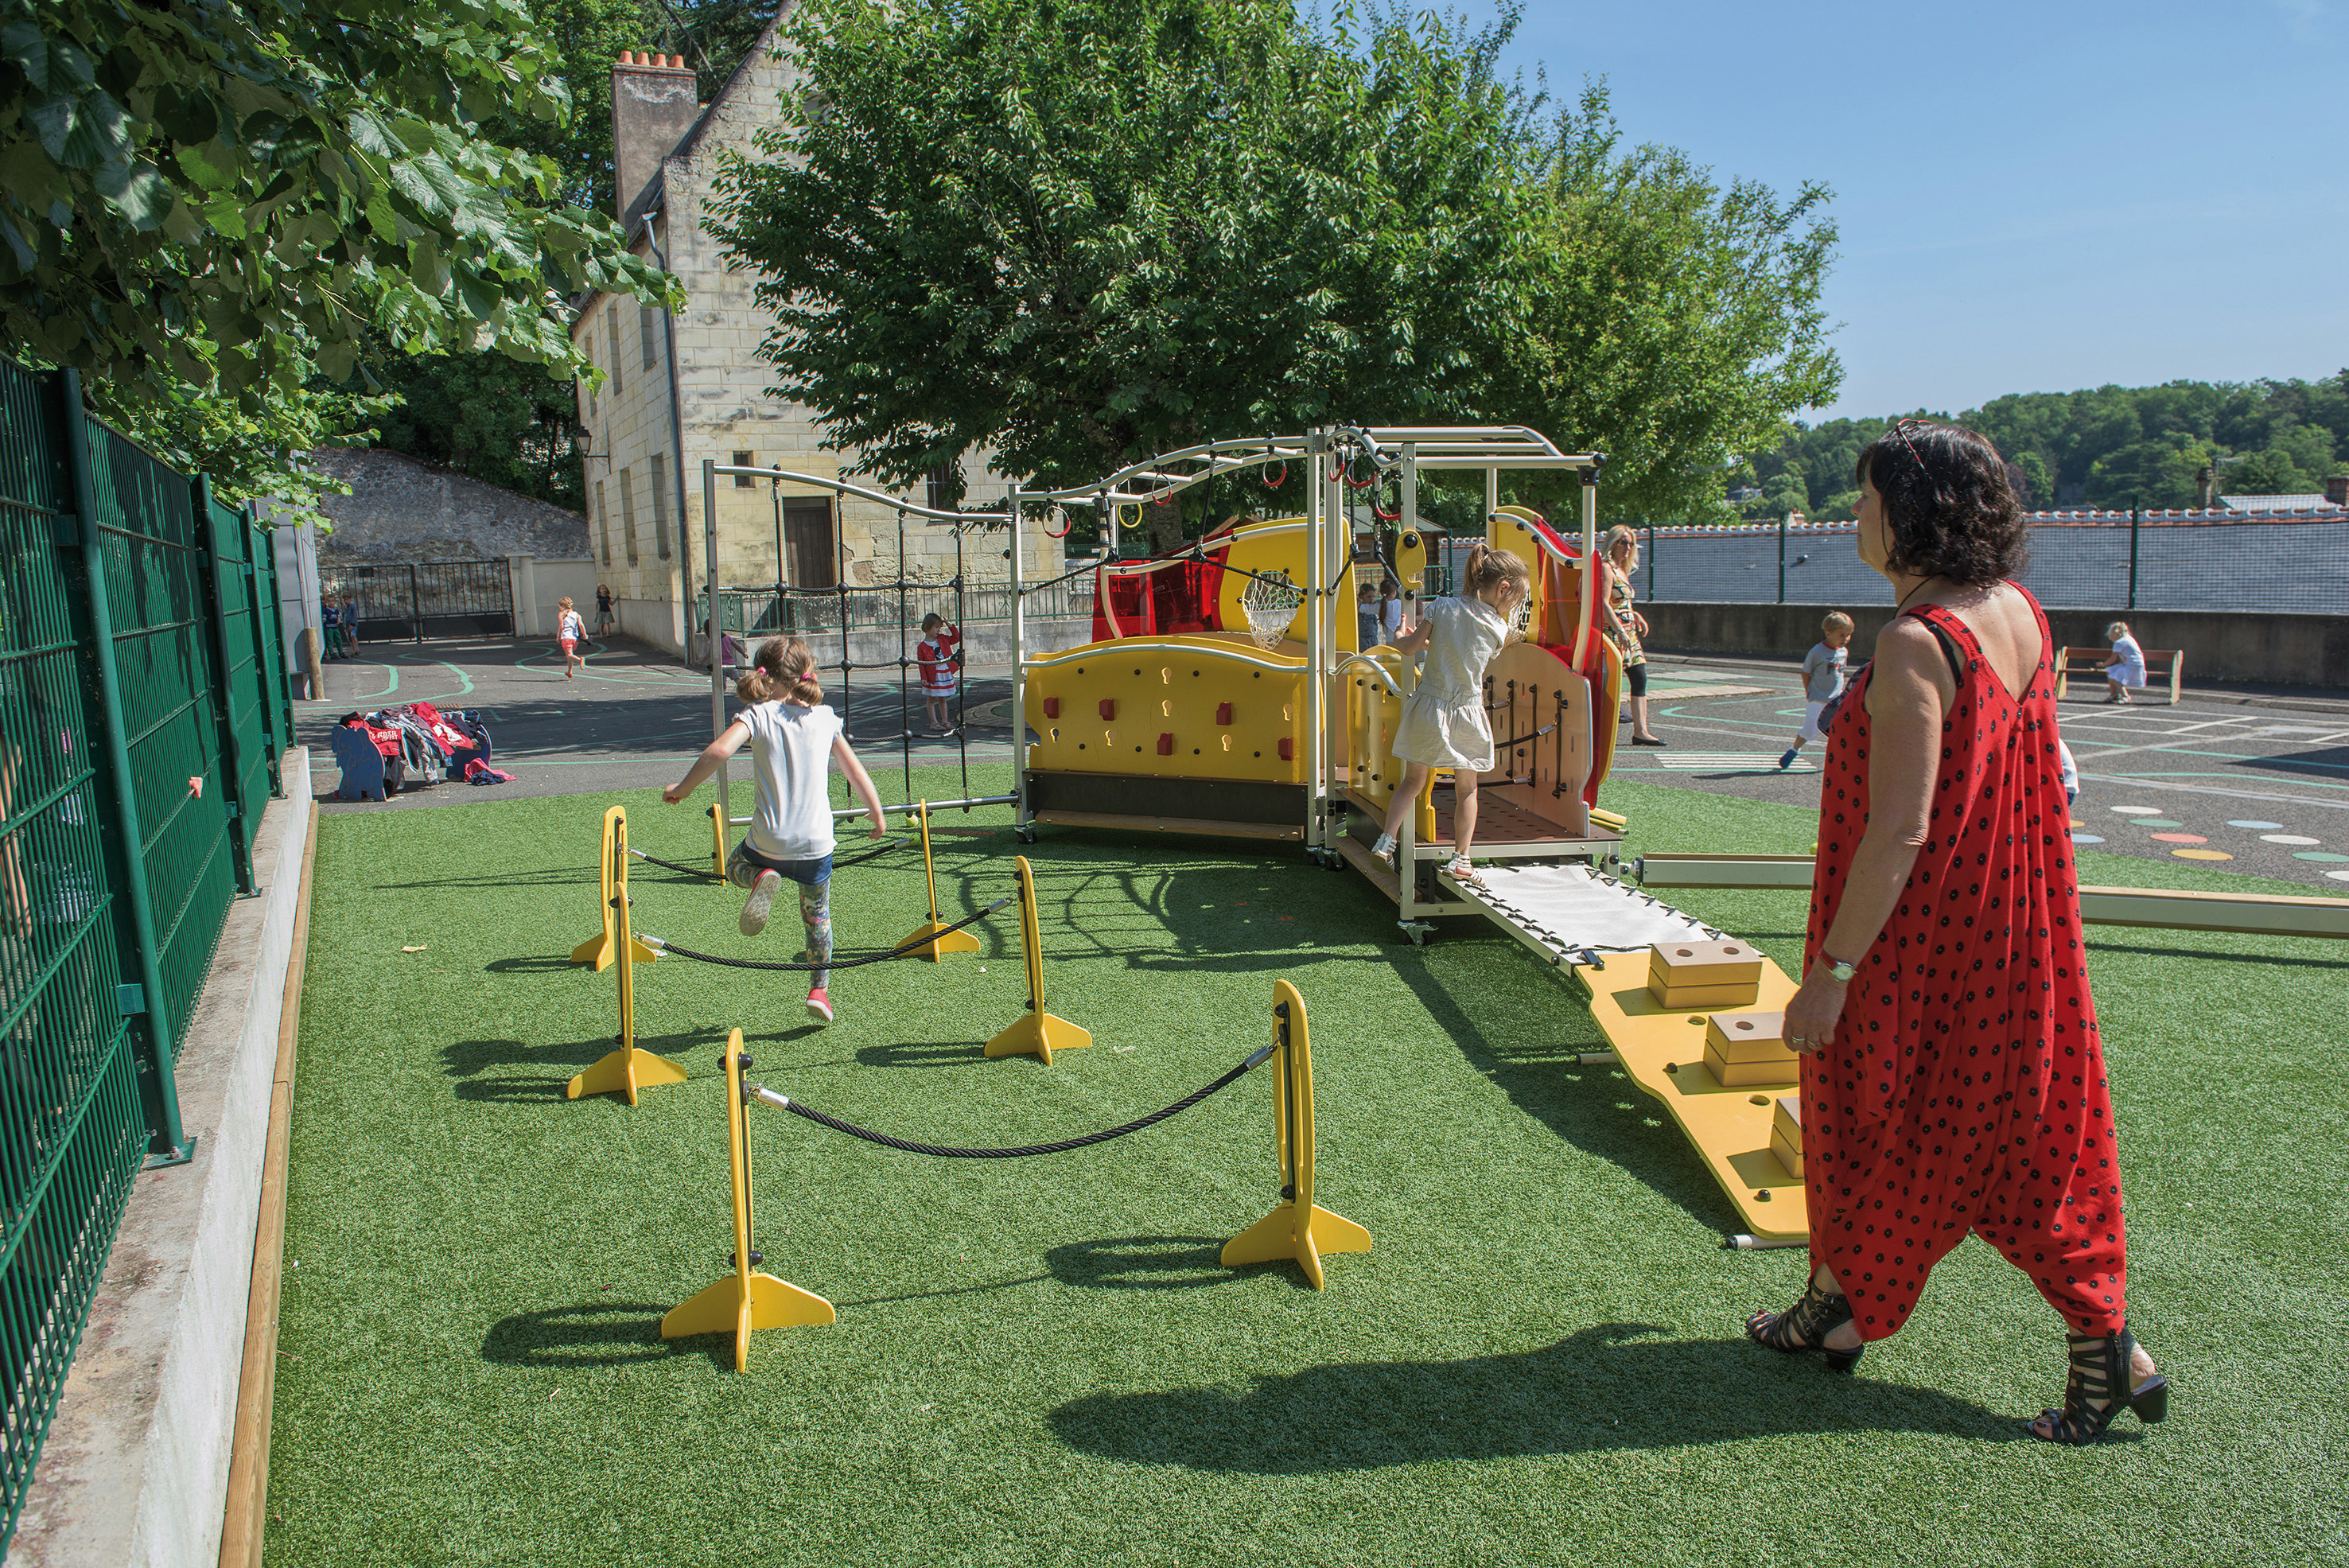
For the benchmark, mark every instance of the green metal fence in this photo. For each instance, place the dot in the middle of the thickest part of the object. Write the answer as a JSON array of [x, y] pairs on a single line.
[[138, 651]]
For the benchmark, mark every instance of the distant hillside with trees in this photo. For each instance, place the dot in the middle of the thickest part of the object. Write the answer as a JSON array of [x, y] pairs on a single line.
[[2107, 447]]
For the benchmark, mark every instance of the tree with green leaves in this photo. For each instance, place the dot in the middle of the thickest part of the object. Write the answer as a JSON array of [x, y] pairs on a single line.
[[236, 199], [1082, 233]]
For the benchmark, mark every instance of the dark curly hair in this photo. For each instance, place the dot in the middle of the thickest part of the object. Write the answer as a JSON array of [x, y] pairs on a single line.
[[1951, 509]]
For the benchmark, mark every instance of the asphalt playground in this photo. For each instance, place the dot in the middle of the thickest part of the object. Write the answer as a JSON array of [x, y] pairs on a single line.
[[2235, 782]]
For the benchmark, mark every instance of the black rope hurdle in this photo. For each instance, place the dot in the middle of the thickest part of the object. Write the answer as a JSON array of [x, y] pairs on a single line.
[[673, 865], [890, 847], [784, 1102], [853, 961]]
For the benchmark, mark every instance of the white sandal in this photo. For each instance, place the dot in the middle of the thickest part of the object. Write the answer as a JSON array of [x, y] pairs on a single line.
[[1463, 871]]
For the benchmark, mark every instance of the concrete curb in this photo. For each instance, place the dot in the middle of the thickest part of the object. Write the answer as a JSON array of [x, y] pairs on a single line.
[[135, 1468]]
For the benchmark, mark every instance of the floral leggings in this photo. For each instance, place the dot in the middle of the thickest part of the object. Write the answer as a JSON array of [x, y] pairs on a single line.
[[815, 903]]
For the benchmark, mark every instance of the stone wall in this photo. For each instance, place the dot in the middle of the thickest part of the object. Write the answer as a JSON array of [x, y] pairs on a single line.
[[400, 509]]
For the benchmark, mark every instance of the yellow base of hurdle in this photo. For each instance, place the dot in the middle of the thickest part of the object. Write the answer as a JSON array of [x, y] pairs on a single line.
[[936, 939], [1039, 1035], [1300, 1228], [745, 1299], [623, 1072], [627, 1070], [1036, 1033]]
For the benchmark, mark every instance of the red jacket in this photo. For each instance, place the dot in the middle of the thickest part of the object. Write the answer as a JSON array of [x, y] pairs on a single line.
[[939, 657]]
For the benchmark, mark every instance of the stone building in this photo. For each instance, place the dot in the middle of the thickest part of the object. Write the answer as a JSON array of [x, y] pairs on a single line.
[[401, 509], [692, 387]]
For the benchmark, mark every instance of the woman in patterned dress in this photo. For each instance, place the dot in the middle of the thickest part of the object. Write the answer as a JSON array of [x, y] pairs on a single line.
[[1627, 626], [1953, 1080]]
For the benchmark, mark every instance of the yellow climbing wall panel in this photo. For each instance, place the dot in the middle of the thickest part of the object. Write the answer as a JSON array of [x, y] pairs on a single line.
[[1176, 707]]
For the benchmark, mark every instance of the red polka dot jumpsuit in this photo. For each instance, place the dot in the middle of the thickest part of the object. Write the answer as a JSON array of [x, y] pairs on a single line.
[[1965, 1089]]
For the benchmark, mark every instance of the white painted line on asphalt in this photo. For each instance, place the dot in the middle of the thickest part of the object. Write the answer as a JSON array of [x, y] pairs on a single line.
[[2208, 789]]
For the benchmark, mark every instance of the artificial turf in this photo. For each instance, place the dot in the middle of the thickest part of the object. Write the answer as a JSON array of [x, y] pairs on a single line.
[[1040, 1361]]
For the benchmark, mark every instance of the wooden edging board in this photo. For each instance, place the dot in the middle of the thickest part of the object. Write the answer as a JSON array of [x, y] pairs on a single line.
[[242, 1525]]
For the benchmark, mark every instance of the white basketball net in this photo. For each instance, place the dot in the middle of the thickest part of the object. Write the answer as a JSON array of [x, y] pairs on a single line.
[[1270, 604]]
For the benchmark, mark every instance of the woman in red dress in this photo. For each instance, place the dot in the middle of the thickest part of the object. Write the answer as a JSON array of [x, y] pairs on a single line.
[[1953, 1081]]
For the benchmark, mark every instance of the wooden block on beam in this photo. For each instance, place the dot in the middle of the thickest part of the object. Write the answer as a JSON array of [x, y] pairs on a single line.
[[1704, 975]]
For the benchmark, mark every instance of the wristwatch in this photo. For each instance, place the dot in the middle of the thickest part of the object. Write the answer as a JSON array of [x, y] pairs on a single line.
[[1841, 971]]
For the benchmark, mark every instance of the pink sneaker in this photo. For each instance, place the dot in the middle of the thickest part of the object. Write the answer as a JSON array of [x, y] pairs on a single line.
[[762, 899], [819, 1005]]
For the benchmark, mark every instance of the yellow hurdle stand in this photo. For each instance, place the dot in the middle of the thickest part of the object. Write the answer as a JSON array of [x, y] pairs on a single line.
[[627, 1069], [718, 845], [939, 941], [1037, 1033], [1299, 1228], [744, 1300], [598, 949]]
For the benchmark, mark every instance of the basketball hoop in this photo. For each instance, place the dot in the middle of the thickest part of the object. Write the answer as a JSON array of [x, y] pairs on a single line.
[[1270, 604]]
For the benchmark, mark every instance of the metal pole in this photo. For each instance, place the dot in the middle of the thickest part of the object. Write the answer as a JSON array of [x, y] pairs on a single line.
[[962, 680], [1650, 592], [713, 637], [1316, 618], [176, 1147], [905, 715], [1019, 667], [1410, 504], [1782, 557], [839, 589], [1589, 573], [414, 607], [2137, 519]]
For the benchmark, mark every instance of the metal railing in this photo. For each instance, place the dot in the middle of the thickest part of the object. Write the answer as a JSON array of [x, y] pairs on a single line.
[[138, 650], [411, 601], [2212, 559]]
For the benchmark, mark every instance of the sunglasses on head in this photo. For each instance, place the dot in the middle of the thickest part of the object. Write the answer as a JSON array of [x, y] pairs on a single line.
[[1900, 428]]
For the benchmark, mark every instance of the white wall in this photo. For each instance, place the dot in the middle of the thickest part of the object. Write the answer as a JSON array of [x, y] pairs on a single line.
[[551, 581]]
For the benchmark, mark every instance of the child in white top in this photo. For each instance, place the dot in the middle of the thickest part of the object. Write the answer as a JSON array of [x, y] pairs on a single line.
[[792, 736], [2125, 666], [568, 632], [1442, 724], [1823, 676]]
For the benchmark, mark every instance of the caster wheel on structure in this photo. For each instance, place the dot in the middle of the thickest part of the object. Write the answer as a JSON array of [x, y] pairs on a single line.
[[1027, 835]]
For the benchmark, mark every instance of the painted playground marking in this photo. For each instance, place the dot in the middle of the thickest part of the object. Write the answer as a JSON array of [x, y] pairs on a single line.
[[2253, 823], [2289, 839], [2136, 810], [2085, 839], [2201, 855]]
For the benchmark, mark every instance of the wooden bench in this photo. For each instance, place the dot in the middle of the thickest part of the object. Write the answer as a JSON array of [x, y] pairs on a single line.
[[2087, 664]]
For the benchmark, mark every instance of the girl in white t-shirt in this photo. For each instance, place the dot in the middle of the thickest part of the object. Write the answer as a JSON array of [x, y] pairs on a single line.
[[792, 736]]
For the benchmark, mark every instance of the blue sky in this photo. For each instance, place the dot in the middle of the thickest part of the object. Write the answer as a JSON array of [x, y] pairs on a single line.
[[2031, 197]]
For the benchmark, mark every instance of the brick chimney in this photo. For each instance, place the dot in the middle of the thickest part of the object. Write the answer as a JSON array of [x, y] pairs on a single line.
[[653, 110], [2336, 490]]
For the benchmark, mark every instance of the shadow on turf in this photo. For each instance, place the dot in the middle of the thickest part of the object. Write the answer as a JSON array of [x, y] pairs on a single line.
[[1152, 1263], [1593, 1108], [468, 1060], [1611, 1386], [601, 1333]]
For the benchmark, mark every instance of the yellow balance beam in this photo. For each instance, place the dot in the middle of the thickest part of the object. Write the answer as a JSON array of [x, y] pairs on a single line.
[[1664, 1051]]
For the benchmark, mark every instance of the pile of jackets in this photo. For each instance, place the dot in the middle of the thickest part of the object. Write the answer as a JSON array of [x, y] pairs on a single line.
[[422, 744]]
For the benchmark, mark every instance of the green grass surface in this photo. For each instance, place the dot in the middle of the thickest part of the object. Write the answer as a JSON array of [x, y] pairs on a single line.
[[1040, 1361]]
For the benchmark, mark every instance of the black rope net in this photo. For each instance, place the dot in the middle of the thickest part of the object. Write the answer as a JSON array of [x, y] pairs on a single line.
[[784, 1102], [853, 960]]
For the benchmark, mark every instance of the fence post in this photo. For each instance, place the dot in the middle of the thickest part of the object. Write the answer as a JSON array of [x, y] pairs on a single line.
[[2136, 518], [164, 1122], [414, 607], [1782, 557], [1651, 562]]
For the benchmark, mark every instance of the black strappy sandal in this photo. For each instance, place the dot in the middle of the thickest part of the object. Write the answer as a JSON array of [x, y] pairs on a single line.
[[1805, 1326], [2099, 1371]]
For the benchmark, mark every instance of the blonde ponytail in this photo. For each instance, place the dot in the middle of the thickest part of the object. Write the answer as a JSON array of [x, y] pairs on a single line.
[[1489, 568], [784, 666]]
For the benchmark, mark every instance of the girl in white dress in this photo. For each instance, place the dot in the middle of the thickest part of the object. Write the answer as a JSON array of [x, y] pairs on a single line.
[[1443, 724]]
